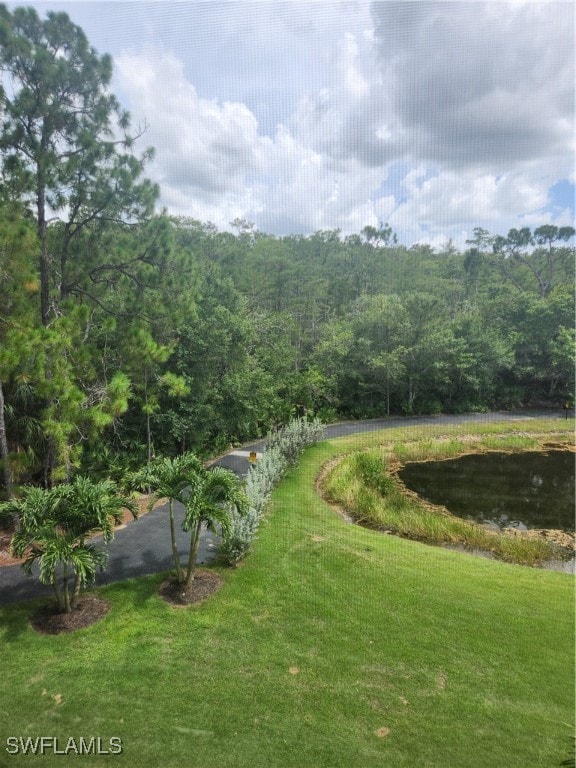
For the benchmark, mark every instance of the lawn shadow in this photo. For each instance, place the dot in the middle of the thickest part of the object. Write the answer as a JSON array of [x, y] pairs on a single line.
[[18, 622], [139, 589]]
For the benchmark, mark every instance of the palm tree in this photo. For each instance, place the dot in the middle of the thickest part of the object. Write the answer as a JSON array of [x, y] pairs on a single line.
[[169, 478], [54, 525], [212, 492]]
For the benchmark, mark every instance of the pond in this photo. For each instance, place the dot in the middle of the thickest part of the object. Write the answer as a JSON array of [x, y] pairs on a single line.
[[525, 490]]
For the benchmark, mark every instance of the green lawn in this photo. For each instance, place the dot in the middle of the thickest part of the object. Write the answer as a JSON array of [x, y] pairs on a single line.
[[327, 633]]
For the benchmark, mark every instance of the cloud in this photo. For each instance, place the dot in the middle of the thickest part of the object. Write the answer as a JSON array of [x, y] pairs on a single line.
[[311, 191], [480, 84], [213, 163], [449, 204], [434, 116], [204, 145]]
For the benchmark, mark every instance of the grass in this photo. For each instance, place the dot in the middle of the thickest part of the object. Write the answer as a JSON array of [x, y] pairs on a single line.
[[326, 634], [365, 483]]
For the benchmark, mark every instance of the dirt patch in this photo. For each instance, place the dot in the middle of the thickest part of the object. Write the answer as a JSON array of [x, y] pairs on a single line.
[[563, 539], [205, 583], [143, 504], [88, 610], [325, 470], [319, 485], [6, 557]]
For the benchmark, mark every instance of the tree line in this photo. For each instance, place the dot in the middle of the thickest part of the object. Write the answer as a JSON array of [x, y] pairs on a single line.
[[127, 334]]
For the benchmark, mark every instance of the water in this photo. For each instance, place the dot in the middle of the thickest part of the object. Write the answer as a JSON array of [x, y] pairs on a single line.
[[525, 490]]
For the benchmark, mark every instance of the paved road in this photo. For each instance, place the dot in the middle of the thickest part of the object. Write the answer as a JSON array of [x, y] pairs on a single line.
[[143, 547]]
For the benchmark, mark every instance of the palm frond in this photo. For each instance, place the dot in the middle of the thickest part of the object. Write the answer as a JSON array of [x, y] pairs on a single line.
[[55, 523], [167, 477]]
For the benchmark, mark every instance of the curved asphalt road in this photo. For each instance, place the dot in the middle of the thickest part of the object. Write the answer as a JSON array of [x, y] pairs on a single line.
[[143, 547]]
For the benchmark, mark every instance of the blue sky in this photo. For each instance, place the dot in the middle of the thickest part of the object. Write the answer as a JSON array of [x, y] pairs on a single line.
[[436, 117]]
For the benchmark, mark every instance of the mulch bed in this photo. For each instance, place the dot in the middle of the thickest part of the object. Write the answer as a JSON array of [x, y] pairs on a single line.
[[205, 583], [88, 610], [6, 533]]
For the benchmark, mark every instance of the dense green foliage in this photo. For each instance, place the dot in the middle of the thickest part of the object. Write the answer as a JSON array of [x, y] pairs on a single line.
[[126, 334]]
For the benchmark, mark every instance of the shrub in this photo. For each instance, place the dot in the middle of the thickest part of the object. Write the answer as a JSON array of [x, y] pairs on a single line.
[[372, 470], [282, 450], [294, 437]]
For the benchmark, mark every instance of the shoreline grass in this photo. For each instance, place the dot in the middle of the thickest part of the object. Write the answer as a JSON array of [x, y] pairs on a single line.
[[331, 646], [366, 484]]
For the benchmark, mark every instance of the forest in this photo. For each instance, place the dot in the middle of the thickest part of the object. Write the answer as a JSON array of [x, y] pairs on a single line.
[[127, 333]]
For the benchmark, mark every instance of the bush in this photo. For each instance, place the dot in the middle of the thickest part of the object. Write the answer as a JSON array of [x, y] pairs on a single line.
[[294, 437], [372, 470], [282, 450]]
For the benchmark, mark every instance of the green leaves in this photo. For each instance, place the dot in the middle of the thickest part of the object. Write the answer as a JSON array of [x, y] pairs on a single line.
[[53, 526], [212, 493], [211, 490], [168, 477], [61, 142]]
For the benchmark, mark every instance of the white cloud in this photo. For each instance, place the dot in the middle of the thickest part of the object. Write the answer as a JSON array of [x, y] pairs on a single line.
[[450, 205], [303, 123], [480, 84], [207, 151], [213, 163], [202, 144]]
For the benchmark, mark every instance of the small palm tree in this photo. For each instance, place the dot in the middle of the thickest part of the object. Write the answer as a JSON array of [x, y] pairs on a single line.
[[212, 493], [54, 526], [169, 478], [56, 549]]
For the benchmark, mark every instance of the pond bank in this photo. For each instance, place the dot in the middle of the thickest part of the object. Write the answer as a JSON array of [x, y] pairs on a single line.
[[363, 485]]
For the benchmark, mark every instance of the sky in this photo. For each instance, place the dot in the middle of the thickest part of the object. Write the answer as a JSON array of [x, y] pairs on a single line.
[[431, 115]]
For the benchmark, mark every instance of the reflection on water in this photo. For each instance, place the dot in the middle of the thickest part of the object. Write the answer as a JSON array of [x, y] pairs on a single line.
[[526, 490]]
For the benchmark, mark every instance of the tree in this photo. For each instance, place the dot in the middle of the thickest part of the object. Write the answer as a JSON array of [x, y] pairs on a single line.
[[70, 401], [169, 478], [380, 236], [54, 525], [526, 267], [66, 153], [229, 389], [17, 287], [59, 138], [212, 492]]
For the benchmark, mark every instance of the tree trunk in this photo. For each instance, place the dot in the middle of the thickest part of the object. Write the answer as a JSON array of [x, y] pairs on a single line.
[[44, 268], [59, 600], [194, 544], [7, 472], [44, 262], [150, 452], [75, 592], [175, 555], [66, 591], [49, 463], [411, 394]]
